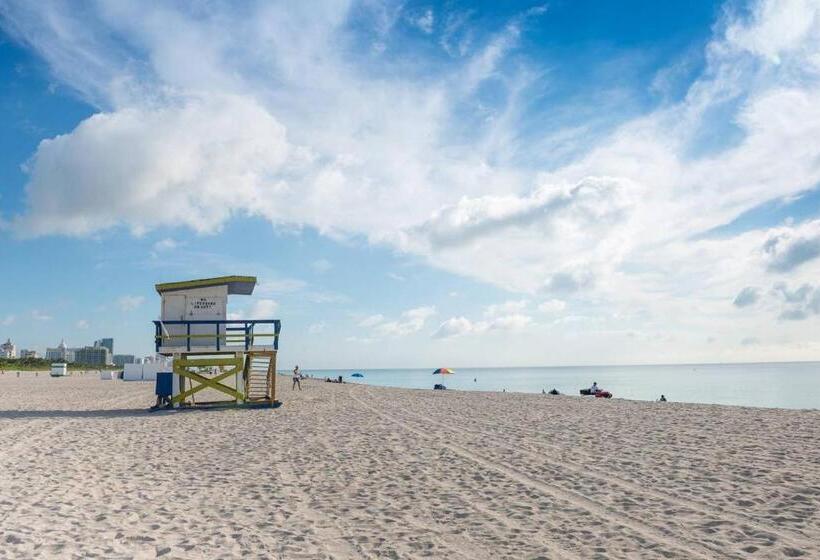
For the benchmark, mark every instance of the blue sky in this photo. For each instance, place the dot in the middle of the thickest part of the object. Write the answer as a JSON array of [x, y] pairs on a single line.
[[417, 183]]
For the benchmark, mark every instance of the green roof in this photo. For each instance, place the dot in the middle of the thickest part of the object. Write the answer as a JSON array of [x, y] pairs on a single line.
[[236, 284]]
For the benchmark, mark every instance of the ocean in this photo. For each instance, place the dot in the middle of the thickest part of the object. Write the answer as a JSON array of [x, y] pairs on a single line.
[[775, 385]]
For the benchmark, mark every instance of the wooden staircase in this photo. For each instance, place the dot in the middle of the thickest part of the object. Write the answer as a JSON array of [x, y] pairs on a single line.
[[260, 377]]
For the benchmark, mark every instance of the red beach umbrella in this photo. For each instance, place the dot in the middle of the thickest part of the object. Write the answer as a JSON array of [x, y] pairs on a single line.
[[443, 371]]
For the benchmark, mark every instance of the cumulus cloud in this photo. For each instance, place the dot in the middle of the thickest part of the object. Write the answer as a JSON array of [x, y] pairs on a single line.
[[147, 167], [789, 247], [280, 118], [798, 304], [263, 309], [411, 321], [747, 296], [130, 303], [568, 282], [454, 326], [507, 316]]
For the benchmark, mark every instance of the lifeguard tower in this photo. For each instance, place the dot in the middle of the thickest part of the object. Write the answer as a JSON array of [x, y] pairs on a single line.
[[233, 358]]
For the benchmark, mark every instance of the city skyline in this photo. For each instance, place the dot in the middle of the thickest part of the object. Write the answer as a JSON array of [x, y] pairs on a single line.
[[420, 184]]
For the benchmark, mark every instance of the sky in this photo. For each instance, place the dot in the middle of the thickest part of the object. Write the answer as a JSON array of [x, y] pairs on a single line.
[[419, 184]]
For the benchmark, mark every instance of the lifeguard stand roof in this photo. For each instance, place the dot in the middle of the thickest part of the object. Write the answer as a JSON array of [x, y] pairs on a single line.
[[242, 285]]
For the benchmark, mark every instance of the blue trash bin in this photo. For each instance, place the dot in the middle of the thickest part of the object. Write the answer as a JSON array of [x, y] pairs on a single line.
[[164, 386]]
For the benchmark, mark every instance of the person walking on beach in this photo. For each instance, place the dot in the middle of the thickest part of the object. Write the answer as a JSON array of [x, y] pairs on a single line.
[[297, 379]]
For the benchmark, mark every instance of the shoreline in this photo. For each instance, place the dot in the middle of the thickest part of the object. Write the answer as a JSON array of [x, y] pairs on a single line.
[[514, 392]]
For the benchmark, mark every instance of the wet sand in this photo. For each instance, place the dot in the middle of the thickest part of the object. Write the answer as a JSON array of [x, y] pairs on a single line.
[[348, 471]]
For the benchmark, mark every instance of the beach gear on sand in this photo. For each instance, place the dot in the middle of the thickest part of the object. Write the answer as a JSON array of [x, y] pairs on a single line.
[[598, 394]]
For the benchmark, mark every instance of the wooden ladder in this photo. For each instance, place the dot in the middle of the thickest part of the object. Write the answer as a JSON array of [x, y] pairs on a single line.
[[260, 376]]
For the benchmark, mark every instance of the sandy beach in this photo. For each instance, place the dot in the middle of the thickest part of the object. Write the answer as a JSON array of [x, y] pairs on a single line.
[[346, 471]]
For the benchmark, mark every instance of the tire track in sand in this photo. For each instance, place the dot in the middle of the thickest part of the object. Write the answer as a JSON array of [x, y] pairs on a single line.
[[785, 537], [691, 549]]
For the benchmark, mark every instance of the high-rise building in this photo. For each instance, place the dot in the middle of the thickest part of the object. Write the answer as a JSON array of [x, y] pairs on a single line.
[[92, 356], [62, 353], [8, 349], [122, 359], [28, 354], [107, 342]]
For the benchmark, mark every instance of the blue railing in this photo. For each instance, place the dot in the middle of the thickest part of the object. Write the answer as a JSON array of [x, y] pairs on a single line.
[[227, 335]]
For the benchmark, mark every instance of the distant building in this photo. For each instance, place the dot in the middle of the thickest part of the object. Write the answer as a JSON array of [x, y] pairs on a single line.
[[107, 342], [92, 356], [8, 349], [28, 354], [122, 359], [61, 354]]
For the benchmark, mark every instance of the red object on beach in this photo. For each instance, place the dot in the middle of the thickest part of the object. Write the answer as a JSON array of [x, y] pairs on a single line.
[[603, 395]]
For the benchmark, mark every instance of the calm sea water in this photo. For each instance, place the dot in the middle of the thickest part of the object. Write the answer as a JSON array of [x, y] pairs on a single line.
[[780, 385]]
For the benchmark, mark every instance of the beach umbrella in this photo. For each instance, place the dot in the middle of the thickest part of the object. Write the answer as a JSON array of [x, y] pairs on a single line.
[[443, 371], [357, 375]]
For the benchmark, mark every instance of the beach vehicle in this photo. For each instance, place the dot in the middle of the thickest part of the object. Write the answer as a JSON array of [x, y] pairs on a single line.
[[59, 370]]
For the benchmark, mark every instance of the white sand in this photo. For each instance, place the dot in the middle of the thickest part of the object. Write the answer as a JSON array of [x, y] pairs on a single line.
[[343, 471]]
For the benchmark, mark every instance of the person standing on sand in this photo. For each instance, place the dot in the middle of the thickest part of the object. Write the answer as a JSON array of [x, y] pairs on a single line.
[[297, 379]]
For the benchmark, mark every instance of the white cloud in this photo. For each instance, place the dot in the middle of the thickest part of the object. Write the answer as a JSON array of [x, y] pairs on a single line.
[[454, 326], [788, 247], [166, 244], [424, 21], [552, 306], [263, 309], [81, 324], [317, 328], [354, 151], [38, 315], [747, 296], [461, 326], [130, 303], [7, 320], [147, 167], [506, 308], [281, 286], [411, 321], [371, 320]]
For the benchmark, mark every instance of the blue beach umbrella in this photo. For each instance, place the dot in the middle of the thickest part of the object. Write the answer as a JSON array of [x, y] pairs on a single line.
[[357, 375]]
